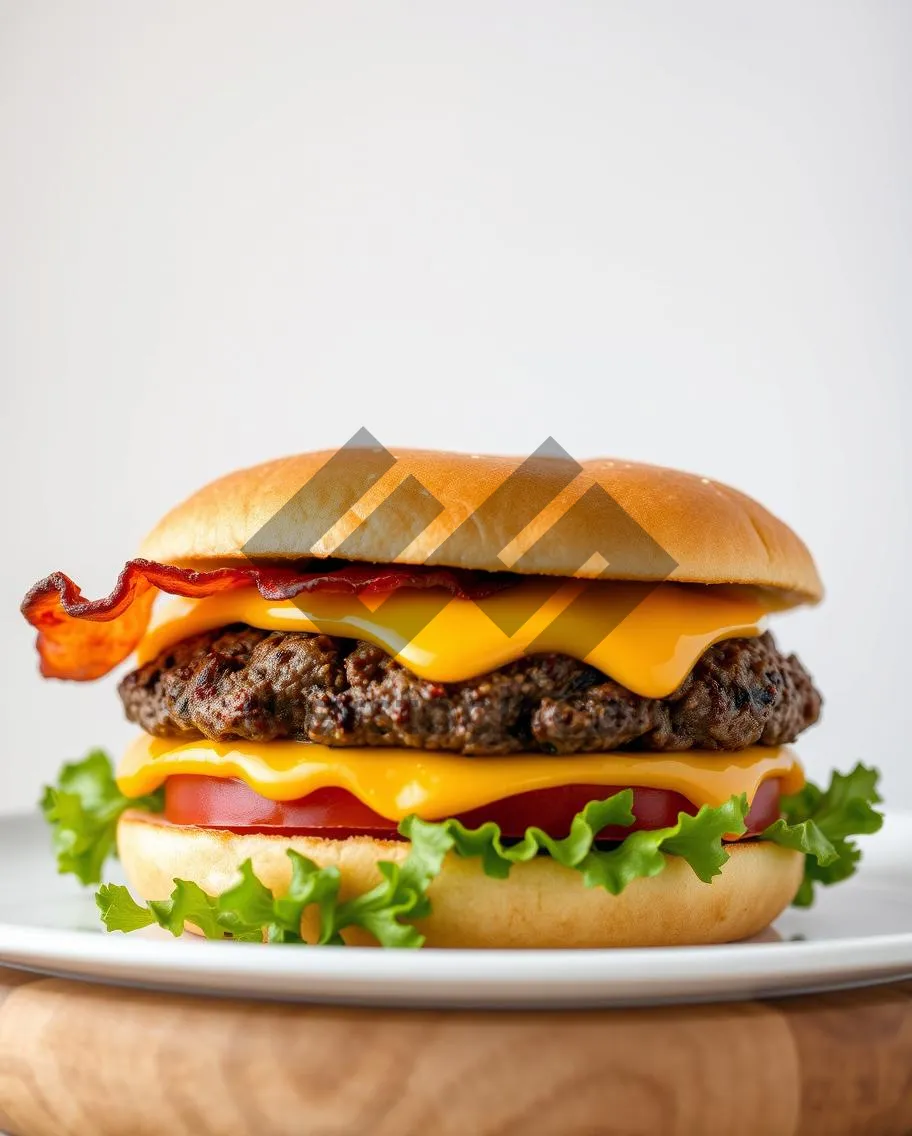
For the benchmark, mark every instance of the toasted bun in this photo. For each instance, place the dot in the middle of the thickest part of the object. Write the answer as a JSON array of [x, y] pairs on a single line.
[[277, 512], [541, 904]]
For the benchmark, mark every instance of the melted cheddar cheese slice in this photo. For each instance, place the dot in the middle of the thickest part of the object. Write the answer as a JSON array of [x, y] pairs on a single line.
[[652, 637], [397, 782]]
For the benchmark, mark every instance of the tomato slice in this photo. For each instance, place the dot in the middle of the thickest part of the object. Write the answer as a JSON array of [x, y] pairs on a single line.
[[215, 802]]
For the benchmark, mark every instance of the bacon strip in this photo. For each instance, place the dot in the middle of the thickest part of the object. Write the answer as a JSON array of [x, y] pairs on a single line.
[[84, 639]]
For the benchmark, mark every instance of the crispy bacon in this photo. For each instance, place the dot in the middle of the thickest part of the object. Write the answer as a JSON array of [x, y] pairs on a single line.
[[84, 639]]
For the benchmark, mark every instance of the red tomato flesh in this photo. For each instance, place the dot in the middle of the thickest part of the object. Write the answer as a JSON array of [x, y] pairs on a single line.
[[215, 802]]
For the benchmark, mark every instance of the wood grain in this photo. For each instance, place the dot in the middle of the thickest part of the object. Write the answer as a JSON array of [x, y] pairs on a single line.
[[9, 980], [78, 1059]]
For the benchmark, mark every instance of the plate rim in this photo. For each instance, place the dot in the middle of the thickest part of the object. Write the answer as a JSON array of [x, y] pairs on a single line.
[[454, 977]]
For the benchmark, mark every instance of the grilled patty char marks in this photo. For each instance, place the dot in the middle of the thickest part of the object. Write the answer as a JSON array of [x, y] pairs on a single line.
[[241, 682]]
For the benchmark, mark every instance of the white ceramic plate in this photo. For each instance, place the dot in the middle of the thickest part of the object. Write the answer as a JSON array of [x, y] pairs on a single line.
[[858, 933]]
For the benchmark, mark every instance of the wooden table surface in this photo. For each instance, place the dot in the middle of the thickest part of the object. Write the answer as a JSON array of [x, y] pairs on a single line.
[[94, 1060]]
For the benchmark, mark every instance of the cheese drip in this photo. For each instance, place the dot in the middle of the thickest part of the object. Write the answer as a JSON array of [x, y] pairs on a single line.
[[650, 651], [397, 782]]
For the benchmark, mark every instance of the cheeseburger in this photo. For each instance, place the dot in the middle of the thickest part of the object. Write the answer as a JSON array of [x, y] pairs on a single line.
[[414, 697]]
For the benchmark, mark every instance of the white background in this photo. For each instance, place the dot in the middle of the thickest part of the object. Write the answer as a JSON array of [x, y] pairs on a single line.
[[671, 232]]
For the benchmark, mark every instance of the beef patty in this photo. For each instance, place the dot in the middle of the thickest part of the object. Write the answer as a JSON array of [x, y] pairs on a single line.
[[240, 682]]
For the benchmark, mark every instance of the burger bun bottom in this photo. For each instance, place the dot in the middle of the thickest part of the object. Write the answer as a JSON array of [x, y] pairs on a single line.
[[541, 904]]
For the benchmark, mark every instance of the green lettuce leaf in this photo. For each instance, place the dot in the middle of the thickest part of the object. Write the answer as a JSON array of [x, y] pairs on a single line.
[[249, 911], [819, 823], [696, 839], [384, 911], [83, 809], [120, 911], [190, 904]]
